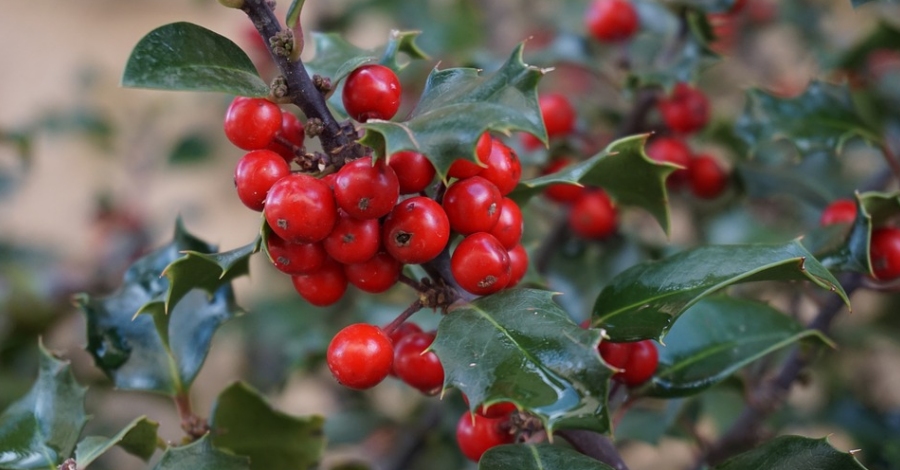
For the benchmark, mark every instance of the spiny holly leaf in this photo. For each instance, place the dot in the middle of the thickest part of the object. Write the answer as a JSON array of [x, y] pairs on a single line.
[[716, 337], [200, 455], [520, 346], [40, 429], [457, 106], [185, 56], [537, 457], [645, 300], [792, 453], [822, 119], [156, 352], [335, 58], [244, 423], [139, 438], [623, 170]]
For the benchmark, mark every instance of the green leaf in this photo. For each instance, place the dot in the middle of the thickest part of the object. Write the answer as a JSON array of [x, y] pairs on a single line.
[[716, 337], [792, 453], [139, 438], [457, 106], [883, 36], [200, 455], [185, 56], [192, 148], [293, 13], [336, 58], [40, 429], [244, 423], [645, 300], [623, 170], [711, 6], [518, 345], [537, 457], [857, 3]]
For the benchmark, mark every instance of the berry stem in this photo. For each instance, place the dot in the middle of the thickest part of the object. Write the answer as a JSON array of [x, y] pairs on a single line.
[[404, 315], [412, 283], [194, 426], [439, 268]]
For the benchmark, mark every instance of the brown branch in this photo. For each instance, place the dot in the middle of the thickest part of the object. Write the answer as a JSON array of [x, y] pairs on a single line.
[[594, 445], [404, 315]]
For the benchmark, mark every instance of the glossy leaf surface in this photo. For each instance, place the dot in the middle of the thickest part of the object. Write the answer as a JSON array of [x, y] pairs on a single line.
[[139, 438], [200, 455], [537, 457], [792, 453]]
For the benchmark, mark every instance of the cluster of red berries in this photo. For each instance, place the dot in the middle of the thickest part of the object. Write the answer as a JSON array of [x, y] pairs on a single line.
[[635, 360], [884, 245]]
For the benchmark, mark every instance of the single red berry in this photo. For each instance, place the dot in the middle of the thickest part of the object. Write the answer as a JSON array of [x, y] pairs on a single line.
[[405, 329], [558, 114], [324, 286], [371, 92], [416, 231], [593, 215], [463, 168], [686, 110], [707, 177], [509, 227], [615, 354], [295, 258], [360, 356], [840, 211], [497, 410], [518, 265], [300, 208], [503, 167], [414, 171], [353, 240], [366, 191], [561, 192], [530, 142], [472, 205], [671, 150], [642, 363], [255, 174], [292, 131], [884, 251], [476, 434], [375, 275], [419, 369], [480, 264], [252, 123], [611, 20]]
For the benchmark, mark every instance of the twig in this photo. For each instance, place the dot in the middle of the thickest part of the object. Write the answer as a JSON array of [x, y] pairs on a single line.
[[594, 445], [194, 426], [404, 315]]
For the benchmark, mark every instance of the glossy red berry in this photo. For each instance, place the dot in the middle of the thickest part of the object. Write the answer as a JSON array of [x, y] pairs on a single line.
[[255, 174], [840, 211], [252, 123], [497, 410], [518, 265], [416, 230], [642, 363], [353, 240], [671, 150], [464, 168], [509, 227], [615, 354], [686, 110], [707, 177], [414, 171], [402, 331], [375, 275], [366, 191], [476, 434], [611, 20], [419, 369], [292, 131], [295, 258], [371, 92], [593, 215], [322, 287], [558, 114], [884, 251], [472, 205], [480, 264], [503, 167], [561, 192], [360, 356], [300, 209]]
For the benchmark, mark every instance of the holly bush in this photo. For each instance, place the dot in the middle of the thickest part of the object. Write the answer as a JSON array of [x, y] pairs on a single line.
[[627, 225]]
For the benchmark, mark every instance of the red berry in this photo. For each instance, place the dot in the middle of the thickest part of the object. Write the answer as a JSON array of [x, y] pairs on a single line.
[[615, 354], [671, 150], [251, 123], [464, 168], [562, 192], [642, 363], [480, 264], [884, 250], [353, 240], [419, 369], [593, 216], [292, 131], [840, 211], [360, 356], [686, 110], [295, 258], [509, 227], [558, 114], [300, 208], [255, 174], [472, 205], [707, 177], [324, 286], [503, 167], [518, 265], [366, 191], [414, 171], [371, 92], [375, 275], [476, 434], [611, 20], [497, 410], [402, 331], [416, 231]]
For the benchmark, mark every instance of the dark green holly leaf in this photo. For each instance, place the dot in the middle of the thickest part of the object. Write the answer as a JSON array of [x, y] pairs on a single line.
[[244, 423], [623, 170], [716, 337], [792, 453], [645, 300], [335, 58], [185, 56], [537, 457], [711, 6], [520, 346], [200, 455], [139, 438], [457, 106], [40, 429], [649, 423], [857, 3]]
